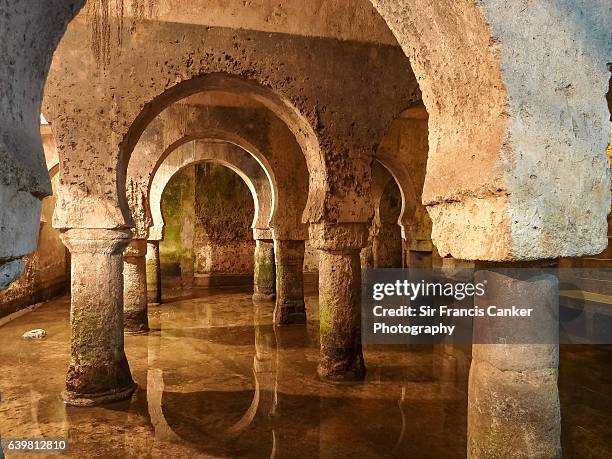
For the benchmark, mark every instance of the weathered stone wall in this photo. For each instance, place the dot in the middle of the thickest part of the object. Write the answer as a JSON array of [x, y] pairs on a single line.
[[208, 211], [387, 240], [224, 212], [319, 106], [29, 32], [311, 258], [46, 270], [516, 167], [178, 208]]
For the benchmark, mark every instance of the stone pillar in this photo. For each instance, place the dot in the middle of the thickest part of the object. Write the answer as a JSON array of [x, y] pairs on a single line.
[[98, 371], [135, 288], [290, 308], [513, 400], [367, 253], [264, 283], [418, 253], [154, 288], [340, 299], [417, 259]]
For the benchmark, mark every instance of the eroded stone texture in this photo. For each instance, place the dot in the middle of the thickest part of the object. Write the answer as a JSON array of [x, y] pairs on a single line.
[[290, 308], [247, 136], [403, 154], [98, 371], [178, 205], [516, 167], [29, 33], [339, 246], [329, 127], [45, 272], [264, 279], [513, 404], [135, 300], [387, 234], [225, 206], [154, 287]]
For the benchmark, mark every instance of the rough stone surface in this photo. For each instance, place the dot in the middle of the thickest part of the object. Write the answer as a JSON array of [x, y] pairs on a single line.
[[513, 400], [385, 234], [516, 166], [340, 316], [45, 271], [323, 116], [98, 371], [154, 286], [29, 34], [264, 280], [250, 126], [135, 300], [231, 156]]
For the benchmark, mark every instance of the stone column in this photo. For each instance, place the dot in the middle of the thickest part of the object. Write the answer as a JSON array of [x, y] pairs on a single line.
[[135, 288], [418, 253], [264, 282], [98, 371], [154, 288], [340, 299], [513, 400], [418, 259], [290, 308]]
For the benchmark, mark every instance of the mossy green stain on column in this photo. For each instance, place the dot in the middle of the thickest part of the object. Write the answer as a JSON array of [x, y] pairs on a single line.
[[177, 209]]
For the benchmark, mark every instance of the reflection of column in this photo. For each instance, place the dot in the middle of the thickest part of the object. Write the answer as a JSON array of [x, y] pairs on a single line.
[[286, 341], [155, 393], [340, 299], [135, 288], [98, 371], [154, 288], [264, 365], [265, 271], [290, 308], [513, 404]]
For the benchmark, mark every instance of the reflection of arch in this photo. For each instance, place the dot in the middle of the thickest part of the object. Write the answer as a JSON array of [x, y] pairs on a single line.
[[229, 155], [264, 377]]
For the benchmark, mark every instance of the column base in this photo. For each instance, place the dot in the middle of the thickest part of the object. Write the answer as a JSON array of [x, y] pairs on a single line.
[[290, 313], [83, 400], [342, 371], [138, 325], [264, 297]]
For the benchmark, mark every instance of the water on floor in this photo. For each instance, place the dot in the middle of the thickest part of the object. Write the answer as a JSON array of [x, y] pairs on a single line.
[[216, 379]]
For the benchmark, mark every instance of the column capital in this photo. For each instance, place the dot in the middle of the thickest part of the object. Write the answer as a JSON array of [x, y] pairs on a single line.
[[339, 236], [136, 248], [96, 240]]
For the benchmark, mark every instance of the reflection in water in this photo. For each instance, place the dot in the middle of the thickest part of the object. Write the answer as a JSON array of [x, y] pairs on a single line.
[[217, 379]]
